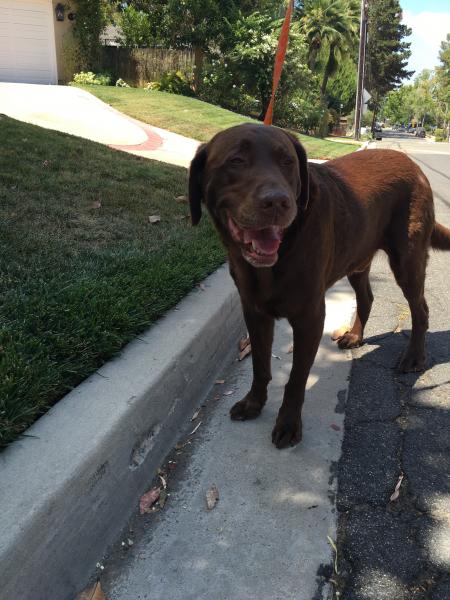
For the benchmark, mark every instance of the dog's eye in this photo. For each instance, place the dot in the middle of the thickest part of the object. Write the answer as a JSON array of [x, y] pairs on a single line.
[[286, 160], [236, 160]]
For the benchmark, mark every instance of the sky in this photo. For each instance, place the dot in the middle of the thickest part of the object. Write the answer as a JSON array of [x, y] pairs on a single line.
[[430, 23]]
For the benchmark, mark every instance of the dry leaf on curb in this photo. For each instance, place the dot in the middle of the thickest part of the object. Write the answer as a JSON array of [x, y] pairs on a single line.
[[335, 427], [162, 498], [335, 561], [396, 493], [96, 204], [195, 415], [276, 356], [148, 500], [212, 497], [181, 198], [245, 352], [154, 219], [244, 342], [163, 481], [195, 428], [93, 593], [181, 445], [290, 349], [202, 287], [219, 381]]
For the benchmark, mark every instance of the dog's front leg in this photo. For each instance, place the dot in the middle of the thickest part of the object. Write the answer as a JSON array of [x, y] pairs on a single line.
[[260, 329], [308, 329]]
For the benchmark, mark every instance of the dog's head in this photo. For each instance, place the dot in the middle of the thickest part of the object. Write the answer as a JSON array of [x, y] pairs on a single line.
[[253, 180]]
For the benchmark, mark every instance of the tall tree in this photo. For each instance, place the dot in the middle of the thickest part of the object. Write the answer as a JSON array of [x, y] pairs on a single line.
[[331, 28], [341, 90], [398, 105], [387, 51], [423, 102], [441, 91]]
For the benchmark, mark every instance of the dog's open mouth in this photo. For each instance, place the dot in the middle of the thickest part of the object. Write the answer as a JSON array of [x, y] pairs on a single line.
[[259, 246]]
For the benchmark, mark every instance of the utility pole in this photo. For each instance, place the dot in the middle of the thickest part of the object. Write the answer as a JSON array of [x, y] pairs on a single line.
[[361, 67]]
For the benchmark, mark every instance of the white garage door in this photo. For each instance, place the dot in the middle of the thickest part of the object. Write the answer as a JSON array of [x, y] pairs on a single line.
[[27, 41]]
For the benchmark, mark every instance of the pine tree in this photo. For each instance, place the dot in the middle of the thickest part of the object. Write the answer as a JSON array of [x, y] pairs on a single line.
[[387, 53]]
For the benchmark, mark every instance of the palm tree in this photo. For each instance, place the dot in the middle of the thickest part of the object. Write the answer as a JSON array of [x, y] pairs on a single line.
[[331, 29]]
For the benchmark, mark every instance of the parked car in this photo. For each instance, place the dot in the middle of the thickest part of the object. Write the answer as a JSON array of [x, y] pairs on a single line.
[[376, 132]]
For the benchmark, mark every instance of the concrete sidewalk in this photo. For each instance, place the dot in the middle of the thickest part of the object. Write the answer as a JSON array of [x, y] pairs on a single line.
[[75, 111], [267, 537]]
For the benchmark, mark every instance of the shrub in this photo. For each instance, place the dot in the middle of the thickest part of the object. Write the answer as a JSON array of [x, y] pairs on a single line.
[[299, 113], [219, 86], [439, 135], [90, 78], [174, 82], [122, 83]]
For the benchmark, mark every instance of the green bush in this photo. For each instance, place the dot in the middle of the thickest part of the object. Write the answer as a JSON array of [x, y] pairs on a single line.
[[439, 135], [90, 78], [135, 27], [219, 85], [302, 111], [174, 82]]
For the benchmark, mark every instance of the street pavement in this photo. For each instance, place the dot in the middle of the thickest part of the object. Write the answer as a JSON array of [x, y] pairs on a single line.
[[272, 532], [399, 425]]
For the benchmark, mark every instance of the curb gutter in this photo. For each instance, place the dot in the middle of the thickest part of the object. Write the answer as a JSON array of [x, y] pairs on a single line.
[[68, 487]]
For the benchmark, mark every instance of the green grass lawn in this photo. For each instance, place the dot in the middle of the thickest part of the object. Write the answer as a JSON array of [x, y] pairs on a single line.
[[194, 118], [82, 270]]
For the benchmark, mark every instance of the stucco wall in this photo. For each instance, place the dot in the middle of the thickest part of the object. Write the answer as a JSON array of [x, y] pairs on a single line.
[[65, 42]]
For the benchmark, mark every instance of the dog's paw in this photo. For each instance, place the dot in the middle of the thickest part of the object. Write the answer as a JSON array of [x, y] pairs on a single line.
[[286, 433], [245, 409], [349, 340], [412, 362]]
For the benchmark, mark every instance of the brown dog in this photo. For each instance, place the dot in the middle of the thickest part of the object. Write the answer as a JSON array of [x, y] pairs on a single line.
[[292, 230]]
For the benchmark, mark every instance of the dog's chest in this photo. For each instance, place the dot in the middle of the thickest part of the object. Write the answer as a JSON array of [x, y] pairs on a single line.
[[265, 291]]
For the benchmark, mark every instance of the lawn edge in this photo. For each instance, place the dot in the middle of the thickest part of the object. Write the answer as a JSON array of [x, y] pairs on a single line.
[[69, 486]]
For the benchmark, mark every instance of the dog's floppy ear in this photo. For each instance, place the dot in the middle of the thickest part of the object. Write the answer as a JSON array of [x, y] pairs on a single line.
[[303, 197], [195, 184]]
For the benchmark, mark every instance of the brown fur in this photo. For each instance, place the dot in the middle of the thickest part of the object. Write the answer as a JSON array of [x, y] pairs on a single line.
[[335, 217]]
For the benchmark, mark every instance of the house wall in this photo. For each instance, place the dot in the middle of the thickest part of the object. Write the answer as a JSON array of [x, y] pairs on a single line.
[[65, 43]]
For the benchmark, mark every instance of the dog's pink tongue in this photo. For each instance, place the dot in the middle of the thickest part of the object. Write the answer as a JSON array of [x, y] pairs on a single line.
[[266, 240]]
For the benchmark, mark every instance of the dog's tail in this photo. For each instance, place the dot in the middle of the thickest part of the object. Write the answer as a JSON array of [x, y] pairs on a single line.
[[440, 237]]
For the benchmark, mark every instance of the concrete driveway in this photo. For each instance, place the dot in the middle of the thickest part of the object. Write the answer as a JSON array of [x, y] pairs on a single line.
[[79, 113]]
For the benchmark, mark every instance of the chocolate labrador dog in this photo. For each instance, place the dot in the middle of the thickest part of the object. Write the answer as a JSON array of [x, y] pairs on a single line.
[[292, 230]]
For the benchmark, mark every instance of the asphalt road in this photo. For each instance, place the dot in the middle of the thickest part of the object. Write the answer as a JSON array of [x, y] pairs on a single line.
[[399, 425], [272, 532]]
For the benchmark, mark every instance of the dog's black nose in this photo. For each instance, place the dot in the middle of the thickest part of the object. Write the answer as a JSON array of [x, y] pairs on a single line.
[[275, 199]]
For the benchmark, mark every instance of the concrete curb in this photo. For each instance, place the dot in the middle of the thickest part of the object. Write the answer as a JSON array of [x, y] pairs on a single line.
[[68, 487]]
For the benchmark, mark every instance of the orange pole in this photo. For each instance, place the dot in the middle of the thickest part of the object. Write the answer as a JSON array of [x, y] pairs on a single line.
[[279, 61]]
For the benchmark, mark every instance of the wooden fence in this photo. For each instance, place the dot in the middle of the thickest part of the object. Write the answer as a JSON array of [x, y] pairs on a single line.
[[141, 65]]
